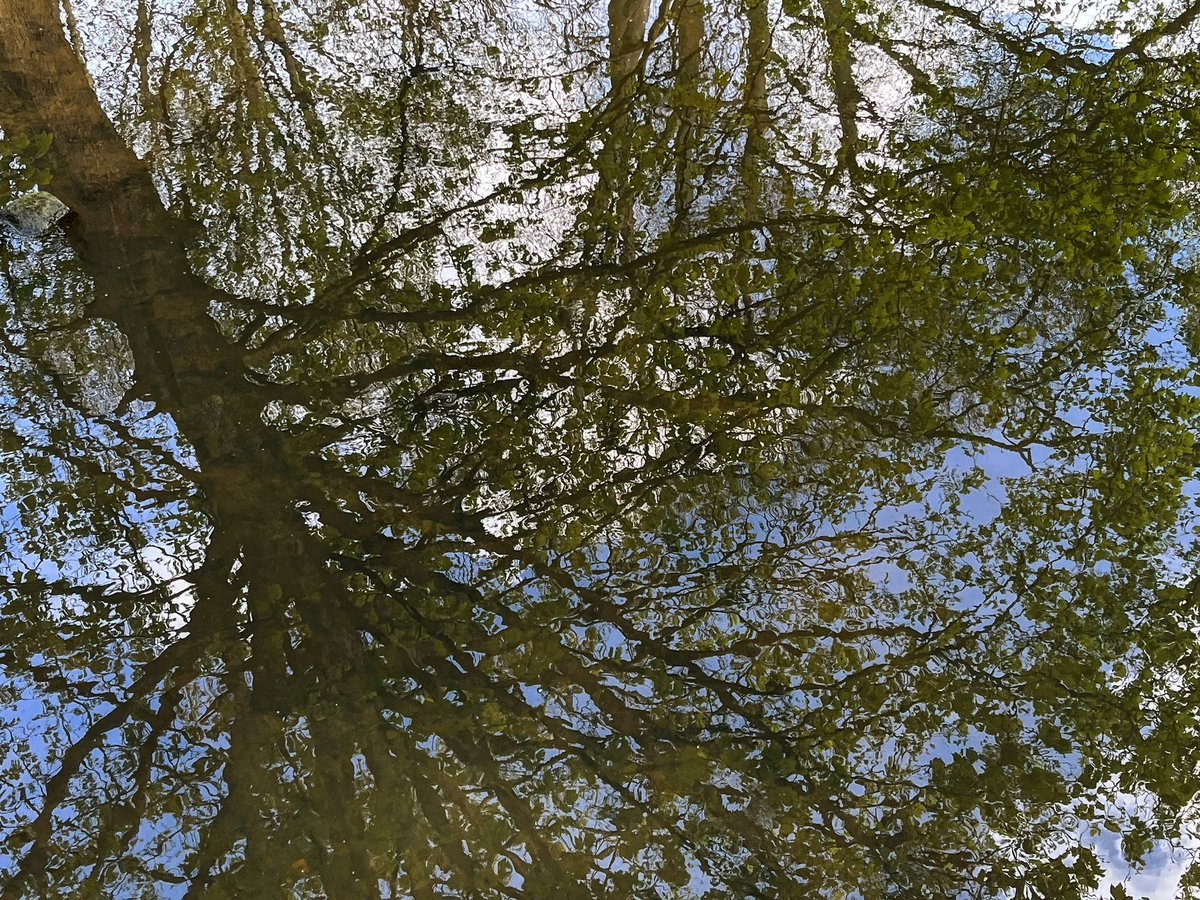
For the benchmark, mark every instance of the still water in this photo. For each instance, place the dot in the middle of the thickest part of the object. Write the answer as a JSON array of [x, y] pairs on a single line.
[[701, 448]]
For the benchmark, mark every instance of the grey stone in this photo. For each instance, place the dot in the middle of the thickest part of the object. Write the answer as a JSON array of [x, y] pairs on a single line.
[[33, 214]]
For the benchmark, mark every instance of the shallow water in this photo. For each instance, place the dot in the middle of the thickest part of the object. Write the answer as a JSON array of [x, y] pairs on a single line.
[[728, 449]]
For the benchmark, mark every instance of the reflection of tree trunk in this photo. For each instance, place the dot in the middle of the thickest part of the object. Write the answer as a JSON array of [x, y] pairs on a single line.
[[841, 70], [73, 30], [758, 117], [626, 49], [302, 89], [135, 253], [626, 43], [142, 43], [758, 121], [247, 72], [305, 650], [689, 44], [254, 737]]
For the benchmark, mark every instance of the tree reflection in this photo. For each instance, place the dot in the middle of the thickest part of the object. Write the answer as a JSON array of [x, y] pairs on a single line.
[[645, 450]]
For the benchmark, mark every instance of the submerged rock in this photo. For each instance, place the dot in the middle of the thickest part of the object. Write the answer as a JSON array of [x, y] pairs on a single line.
[[33, 214]]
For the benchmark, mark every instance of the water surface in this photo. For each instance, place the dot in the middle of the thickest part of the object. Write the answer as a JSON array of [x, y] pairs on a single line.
[[737, 449]]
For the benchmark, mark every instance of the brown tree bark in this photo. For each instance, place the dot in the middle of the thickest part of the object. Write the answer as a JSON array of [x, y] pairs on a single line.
[[135, 252]]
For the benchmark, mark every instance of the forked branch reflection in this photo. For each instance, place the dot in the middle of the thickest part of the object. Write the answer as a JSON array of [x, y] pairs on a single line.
[[731, 449]]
